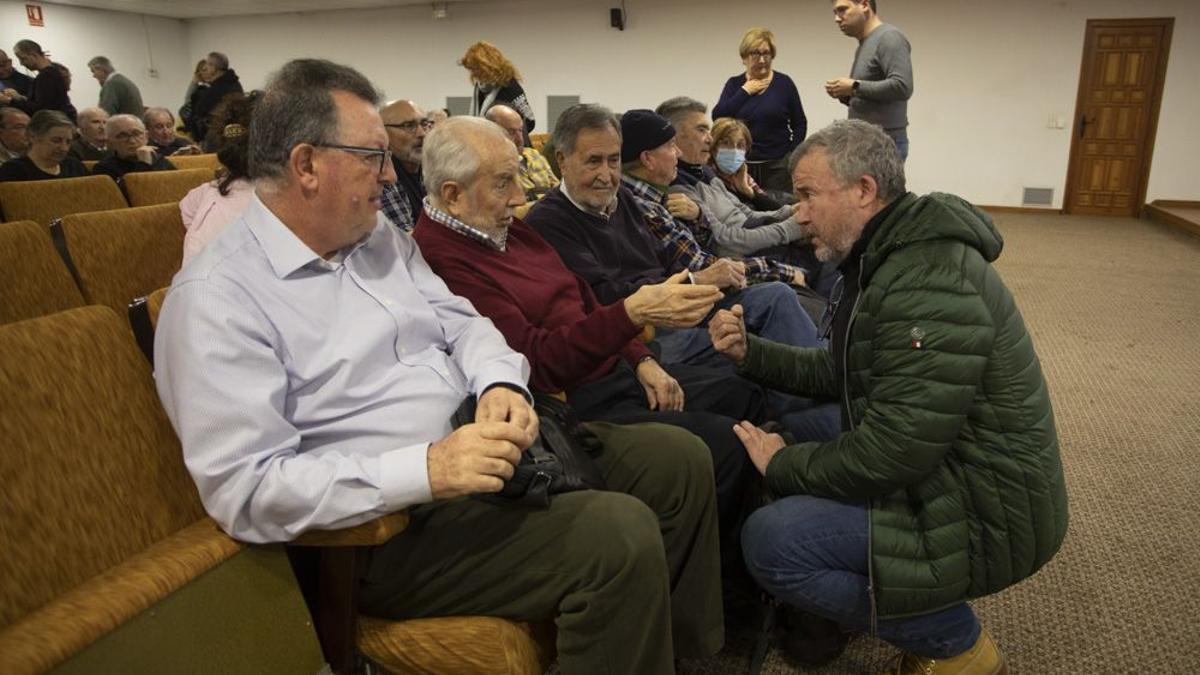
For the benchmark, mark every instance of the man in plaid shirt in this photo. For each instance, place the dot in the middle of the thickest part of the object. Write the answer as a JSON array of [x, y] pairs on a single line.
[[649, 161]]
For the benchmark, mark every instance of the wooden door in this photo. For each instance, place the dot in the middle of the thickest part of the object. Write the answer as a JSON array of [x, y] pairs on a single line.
[[1116, 115]]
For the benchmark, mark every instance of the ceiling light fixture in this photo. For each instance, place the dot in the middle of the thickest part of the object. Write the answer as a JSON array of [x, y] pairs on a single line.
[[440, 10]]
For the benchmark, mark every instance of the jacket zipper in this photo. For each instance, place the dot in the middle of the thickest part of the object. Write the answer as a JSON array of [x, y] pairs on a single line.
[[850, 416]]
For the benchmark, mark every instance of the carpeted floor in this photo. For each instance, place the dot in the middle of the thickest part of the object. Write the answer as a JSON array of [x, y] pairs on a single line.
[[1114, 309]]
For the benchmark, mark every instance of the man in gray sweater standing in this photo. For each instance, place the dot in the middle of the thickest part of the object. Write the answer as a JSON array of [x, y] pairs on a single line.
[[881, 79], [118, 94]]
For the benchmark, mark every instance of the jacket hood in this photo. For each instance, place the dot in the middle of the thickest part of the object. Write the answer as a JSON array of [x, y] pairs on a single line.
[[934, 216]]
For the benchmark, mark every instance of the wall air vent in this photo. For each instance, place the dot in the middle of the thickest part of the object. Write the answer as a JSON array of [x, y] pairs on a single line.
[[1038, 196]]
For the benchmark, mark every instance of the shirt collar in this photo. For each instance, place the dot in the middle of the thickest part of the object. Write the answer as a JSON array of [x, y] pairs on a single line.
[[437, 215], [644, 189], [604, 213], [284, 250]]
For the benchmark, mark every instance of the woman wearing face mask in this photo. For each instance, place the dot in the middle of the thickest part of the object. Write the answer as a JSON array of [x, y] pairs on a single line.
[[730, 142], [727, 156], [769, 103], [50, 134]]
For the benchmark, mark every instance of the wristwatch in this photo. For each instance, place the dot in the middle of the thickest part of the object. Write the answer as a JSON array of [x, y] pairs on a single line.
[[854, 87]]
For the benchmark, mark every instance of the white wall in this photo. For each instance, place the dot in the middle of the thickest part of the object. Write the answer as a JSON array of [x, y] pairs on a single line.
[[988, 74], [73, 35]]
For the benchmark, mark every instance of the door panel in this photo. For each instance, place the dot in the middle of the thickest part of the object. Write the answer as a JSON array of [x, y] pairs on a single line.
[[1117, 110]]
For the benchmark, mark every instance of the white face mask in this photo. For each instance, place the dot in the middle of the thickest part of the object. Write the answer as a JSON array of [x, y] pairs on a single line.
[[730, 160]]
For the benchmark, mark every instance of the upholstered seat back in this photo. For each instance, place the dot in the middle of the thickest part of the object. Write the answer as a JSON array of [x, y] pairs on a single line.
[[44, 200], [147, 188], [125, 254], [33, 280], [91, 469], [206, 161]]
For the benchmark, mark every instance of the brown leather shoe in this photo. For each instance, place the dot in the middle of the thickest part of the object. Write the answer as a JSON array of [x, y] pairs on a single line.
[[983, 658]]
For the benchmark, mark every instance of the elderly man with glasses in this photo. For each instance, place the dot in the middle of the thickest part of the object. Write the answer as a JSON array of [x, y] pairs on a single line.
[[14, 133], [406, 127], [311, 361], [131, 153]]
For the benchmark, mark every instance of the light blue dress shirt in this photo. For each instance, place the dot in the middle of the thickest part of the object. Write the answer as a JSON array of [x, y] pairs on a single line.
[[306, 392]]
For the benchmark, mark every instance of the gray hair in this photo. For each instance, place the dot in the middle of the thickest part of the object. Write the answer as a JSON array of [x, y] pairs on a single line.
[[28, 47], [44, 120], [451, 152], [157, 111], [855, 149], [218, 60], [101, 63], [9, 111], [675, 108], [124, 117], [89, 113], [577, 118], [297, 107]]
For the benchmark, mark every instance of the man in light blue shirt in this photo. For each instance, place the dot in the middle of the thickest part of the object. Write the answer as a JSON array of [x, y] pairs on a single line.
[[310, 362]]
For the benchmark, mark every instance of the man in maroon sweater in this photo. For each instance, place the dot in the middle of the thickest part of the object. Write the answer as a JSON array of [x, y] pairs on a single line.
[[468, 235]]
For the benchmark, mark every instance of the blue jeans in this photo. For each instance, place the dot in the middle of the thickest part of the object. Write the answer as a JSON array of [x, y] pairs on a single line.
[[771, 311], [901, 138], [812, 554]]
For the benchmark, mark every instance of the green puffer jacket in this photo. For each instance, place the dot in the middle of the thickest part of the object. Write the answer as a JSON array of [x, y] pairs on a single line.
[[952, 440]]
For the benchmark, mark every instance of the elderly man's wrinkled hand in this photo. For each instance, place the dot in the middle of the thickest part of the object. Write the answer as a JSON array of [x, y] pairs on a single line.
[[475, 458], [501, 404], [681, 206], [728, 332]]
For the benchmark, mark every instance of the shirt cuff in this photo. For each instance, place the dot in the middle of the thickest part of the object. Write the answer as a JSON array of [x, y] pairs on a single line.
[[404, 477]]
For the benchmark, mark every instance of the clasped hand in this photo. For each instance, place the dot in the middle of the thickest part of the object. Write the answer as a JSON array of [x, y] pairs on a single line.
[[479, 457]]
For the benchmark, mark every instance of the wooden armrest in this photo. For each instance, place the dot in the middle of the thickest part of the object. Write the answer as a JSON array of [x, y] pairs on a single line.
[[647, 333], [370, 533]]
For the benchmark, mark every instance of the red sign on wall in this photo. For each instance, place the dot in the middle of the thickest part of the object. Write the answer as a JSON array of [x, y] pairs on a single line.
[[34, 13]]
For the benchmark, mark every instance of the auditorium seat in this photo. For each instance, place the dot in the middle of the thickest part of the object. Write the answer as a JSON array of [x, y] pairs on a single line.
[[119, 255], [464, 645], [33, 280], [44, 200], [110, 564], [147, 188], [206, 161]]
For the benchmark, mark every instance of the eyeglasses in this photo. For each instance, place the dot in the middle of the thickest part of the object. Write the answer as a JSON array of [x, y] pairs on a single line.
[[411, 125], [764, 55], [129, 135], [385, 156]]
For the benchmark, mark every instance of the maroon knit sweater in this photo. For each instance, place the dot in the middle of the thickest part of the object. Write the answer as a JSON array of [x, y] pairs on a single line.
[[542, 309]]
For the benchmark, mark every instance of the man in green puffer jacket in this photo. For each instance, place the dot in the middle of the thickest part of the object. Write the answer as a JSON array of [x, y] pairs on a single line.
[[947, 484]]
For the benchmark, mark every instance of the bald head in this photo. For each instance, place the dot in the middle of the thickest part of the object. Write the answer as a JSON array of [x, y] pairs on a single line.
[[91, 126], [406, 128], [510, 121]]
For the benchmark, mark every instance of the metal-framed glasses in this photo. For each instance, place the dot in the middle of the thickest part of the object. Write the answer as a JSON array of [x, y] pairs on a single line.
[[765, 55], [384, 154], [411, 125]]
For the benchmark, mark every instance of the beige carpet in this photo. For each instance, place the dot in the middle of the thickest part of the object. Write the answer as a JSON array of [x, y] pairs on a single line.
[[1114, 309]]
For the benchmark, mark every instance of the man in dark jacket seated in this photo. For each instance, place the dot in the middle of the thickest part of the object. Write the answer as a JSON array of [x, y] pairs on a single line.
[[617, 243], [574, 344], [131, 153], [948, 484]]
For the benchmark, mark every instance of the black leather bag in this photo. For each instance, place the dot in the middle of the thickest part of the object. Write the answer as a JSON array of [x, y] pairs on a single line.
[[558, 461]]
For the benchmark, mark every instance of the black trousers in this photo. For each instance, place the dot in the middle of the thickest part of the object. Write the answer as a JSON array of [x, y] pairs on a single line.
[[713, 402]]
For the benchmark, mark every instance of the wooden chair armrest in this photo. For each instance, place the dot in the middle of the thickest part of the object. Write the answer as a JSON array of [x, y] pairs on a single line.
[[370, 533]]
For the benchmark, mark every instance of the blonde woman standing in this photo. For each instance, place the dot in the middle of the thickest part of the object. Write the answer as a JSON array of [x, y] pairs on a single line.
[[769, 103]]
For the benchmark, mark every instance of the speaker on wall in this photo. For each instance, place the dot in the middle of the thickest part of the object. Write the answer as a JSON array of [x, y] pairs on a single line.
[[616, 18]]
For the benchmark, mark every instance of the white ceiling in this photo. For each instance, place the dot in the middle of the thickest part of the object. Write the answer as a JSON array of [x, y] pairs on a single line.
[[190, 9]]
